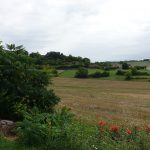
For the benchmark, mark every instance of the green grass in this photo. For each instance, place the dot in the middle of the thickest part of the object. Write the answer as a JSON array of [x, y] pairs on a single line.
[[113, 76], [134, 63], [8, 145], [71, 73], [12, 145], [140, 63], [68, 73]]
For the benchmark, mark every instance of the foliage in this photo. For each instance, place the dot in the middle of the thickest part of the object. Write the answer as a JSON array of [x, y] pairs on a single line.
[[59, 60], [120, 72], [98, 74], [128, 76], [22, 86], [105, 74], [140, 67], [38, 128], [79, 135], [119, 137], [125, 65], [54, 72], [8, 145], [81, 73], [135, 72]]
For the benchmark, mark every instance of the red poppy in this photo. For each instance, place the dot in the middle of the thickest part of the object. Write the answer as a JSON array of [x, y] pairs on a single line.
[[148, 129], [129, 131], [114, 128], [101, 123]]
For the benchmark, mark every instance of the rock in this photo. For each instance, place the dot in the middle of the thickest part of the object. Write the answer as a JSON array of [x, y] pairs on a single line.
[[6, 122], [6, 127]]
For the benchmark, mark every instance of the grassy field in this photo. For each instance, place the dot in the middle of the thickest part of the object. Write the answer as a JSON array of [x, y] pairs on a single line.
[[140, 63], [71, 73], [135, 63], [124, 102], [113, 76]]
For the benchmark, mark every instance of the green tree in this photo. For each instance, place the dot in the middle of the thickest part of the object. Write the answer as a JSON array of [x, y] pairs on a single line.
[[17, 49], [22, 86]]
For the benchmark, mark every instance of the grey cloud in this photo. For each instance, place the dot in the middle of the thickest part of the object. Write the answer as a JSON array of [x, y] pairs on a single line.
[[98, 29]]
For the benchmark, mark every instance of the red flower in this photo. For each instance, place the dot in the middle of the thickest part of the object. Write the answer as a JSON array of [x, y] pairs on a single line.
[[129, 131], [114, 128], [148, 129], [101, 123]]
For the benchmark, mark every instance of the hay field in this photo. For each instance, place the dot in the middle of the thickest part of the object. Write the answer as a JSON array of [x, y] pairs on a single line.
[[124, 102]]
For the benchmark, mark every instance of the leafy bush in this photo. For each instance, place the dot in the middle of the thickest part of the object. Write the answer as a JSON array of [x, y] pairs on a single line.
[[125, 65], [95, 75], [54, 72], [140, 67], [120, 72], [105, 74], [41, 129], [107, 68], [98, 74], [22, 87], [78, 135], [55, 131], [81, 73], [135, 72], [128, 76]]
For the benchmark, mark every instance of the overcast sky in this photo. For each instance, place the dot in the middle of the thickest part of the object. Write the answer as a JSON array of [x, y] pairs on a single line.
[[99, 29]]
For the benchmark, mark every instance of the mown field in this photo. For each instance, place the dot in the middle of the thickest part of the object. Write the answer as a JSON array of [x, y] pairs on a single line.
[[124, 102]]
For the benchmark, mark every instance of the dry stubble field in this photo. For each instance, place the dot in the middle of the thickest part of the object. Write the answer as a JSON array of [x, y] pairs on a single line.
[[124, 102]]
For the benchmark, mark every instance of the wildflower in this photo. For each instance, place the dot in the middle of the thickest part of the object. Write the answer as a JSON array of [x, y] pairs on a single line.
[[114, 128], [102, 123], [148, 129], [129, 131]]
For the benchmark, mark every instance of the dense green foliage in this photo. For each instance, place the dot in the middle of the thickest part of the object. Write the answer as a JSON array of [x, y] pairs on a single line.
[[98, 74], [7, 145], [22, 86], [59, 60], [128, 76], [135, 72], [81, 73], [125, 65], [39, 132], [38, 128], [120, 72]]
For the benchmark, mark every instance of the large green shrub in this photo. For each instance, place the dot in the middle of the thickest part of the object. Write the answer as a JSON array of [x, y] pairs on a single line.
[[98, 74], [125, 65], [105, 74], [135, 72], [82, 73], [128, 76], [22, 87], [120, 72], [43, 129]]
